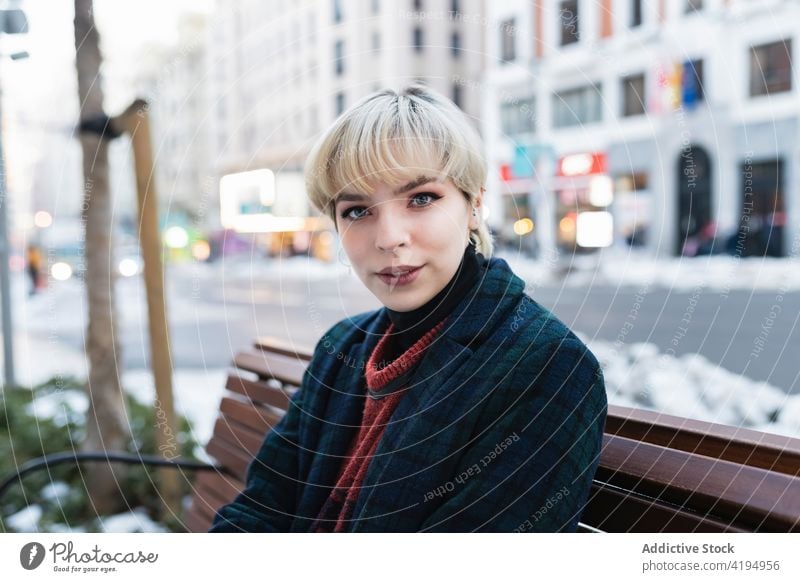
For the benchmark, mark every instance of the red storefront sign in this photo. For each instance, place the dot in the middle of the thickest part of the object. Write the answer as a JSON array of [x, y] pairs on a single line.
[[581, 165]]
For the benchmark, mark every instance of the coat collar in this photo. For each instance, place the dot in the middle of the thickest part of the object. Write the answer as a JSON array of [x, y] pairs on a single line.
[[441, 372], [436, 379], [475, 316]]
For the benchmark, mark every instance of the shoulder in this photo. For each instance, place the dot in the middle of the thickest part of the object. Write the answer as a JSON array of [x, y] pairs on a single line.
[[355, 328], [544, 352], [341, 337]]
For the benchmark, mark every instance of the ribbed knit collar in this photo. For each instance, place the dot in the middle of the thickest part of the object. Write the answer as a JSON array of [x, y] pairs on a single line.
[[384, 376]]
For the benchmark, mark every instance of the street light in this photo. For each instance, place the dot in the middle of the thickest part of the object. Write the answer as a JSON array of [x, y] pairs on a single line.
[[11, 22]]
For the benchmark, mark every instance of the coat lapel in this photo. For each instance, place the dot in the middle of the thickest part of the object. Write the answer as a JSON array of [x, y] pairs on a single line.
[[340, 417], [448, 366]]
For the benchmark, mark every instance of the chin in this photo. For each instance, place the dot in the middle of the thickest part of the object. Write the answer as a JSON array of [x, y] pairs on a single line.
[[396, 304]]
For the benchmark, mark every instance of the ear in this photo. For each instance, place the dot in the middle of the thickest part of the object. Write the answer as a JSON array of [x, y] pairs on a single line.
[[474, 221]]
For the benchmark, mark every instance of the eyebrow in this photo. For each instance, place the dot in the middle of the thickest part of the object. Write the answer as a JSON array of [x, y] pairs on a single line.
[[415, 183]]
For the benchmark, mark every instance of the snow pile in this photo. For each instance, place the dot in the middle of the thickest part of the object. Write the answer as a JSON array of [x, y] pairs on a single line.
[[25, 520], [197, 395], [257, 267], [639, 376], [617, 268], [135, 521]]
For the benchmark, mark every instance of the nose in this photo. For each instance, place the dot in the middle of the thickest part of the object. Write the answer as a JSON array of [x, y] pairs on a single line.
[[391, 232]]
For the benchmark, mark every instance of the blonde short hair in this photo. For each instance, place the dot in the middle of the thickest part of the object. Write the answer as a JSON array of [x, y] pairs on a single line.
[[389, 136]]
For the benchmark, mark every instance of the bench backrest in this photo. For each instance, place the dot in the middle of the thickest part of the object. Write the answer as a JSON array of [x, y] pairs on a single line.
[[658, 473]]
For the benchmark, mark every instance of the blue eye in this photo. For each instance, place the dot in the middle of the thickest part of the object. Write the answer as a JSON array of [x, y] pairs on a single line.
[[426, 199], [346, 213], [433, 197]]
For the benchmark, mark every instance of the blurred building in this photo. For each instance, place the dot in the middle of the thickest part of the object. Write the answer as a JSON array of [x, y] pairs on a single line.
[[282, 71], [177, 91], [670, 124]]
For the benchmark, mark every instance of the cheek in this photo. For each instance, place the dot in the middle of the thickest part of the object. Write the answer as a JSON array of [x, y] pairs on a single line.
[[359, 251], [445, 228]]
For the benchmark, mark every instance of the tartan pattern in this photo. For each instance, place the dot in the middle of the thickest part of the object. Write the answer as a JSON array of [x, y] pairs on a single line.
[[336, 512], [500, 429]]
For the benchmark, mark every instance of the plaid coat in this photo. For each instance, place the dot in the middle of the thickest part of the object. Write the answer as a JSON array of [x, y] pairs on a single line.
[[500, 429]]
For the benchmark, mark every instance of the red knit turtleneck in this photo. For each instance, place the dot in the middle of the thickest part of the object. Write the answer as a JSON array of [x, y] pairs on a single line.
[[378, 409]]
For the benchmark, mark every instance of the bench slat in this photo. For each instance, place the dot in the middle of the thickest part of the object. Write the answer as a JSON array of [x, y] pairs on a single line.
[[196, 522], [258, 392], [212, 491], [235, 460], [237, 435], [210, 499], [612, 510], [745, 495], [227, 487], [275, 345], [284, 368], [740, 445], [256, 418]]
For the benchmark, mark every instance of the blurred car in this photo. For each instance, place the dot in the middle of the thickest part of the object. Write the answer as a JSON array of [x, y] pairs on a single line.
[[67, 261]]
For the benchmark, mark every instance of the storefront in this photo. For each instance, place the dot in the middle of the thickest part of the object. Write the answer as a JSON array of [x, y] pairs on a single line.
[[522, 198], [583, 193], [767, 186]]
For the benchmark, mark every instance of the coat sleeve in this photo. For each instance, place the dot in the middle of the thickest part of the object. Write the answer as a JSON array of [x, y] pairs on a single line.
[[530, 465], [269, 499]]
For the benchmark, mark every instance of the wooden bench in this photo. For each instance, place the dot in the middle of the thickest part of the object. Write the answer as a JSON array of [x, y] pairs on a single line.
[[658, 473]]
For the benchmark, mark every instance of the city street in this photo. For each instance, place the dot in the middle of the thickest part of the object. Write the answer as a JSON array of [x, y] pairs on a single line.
[[216, 310]]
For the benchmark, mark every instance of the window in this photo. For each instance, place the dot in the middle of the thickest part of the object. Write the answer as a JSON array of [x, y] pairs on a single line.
[[454, 8], [455, 44], [338, 51], [337, 11], [568, 14], [518, 117], [339, 103], [636, 13], [376, 41], [457, 94], [692, 6], [771, 68], [417, 41], [577, 106], [508, 49], [692, 84], [633, 98]]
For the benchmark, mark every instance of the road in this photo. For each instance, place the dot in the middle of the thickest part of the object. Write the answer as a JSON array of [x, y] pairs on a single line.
[[739, 330], [216, 312]]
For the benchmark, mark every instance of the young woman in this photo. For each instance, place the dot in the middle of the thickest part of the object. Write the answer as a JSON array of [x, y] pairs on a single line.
[[461, 405]]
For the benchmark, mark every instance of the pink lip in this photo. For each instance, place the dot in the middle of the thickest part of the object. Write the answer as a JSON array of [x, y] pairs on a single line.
[[397, 270], [409, 276]]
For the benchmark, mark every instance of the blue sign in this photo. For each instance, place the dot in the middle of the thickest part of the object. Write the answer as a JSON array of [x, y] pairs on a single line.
[[526, 157]]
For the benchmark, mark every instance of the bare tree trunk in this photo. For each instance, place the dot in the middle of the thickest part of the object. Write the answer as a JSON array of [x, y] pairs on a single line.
[[106, 423]]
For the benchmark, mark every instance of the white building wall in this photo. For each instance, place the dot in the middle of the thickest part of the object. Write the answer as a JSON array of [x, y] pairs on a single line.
[[284, 52], [721, 35]]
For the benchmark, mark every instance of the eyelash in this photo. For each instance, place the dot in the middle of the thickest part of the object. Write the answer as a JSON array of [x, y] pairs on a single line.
[[434, 197]]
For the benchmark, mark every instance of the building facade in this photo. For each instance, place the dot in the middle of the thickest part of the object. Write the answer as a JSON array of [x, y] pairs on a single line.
[[671, 125], [281, 72]]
